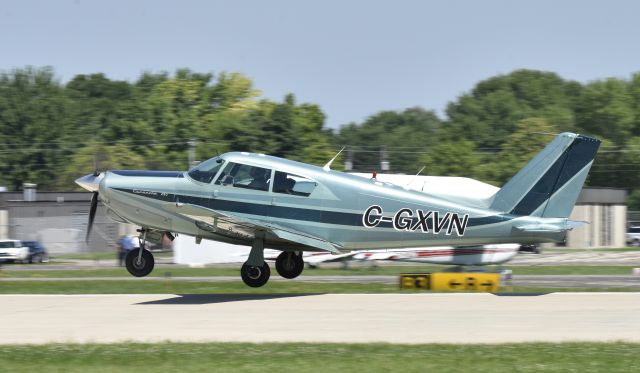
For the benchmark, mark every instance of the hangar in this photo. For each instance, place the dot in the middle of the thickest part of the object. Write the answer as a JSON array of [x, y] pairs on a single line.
[[606, 212], [57, 219]]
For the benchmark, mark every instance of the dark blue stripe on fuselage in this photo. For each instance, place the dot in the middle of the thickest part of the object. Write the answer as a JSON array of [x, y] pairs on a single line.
[[581, 151], [293, 213], [149, 173]]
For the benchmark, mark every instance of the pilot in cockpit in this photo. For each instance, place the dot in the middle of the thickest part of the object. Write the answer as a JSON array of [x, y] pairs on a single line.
[[260, 179]]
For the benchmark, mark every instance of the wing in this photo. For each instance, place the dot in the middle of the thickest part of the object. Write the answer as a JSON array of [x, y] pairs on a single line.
[[229, 224]]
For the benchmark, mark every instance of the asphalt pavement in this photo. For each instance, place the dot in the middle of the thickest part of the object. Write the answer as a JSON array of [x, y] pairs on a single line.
[[361, 318]]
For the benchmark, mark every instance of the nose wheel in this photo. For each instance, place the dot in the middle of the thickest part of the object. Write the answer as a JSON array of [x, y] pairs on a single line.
[[289, 264], [255, 276], [138, 263]]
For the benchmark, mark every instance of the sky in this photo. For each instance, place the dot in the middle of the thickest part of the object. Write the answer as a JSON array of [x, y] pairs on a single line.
[[353, 58]]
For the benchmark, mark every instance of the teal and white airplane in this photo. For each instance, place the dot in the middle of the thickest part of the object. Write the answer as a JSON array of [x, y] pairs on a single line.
[[268, 202]]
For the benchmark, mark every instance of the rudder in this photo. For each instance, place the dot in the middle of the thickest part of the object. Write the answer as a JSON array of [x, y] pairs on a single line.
[[549, 185]]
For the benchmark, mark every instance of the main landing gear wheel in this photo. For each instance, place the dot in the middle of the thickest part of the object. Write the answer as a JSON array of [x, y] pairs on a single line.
[[255, 276], [137, 265], [289, 264]]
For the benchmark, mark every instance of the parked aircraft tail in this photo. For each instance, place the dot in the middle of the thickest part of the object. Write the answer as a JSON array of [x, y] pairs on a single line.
[[549, 185]]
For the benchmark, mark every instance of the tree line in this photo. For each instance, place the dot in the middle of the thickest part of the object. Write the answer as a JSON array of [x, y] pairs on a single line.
[[492, 131], [53, 132]]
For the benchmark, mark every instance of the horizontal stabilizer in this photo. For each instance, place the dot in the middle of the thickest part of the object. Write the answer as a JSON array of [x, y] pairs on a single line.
[[565, 225], [572, 224], [540, 228]]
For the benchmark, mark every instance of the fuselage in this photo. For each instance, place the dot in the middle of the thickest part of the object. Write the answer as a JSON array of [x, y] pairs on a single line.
[[350, 211]]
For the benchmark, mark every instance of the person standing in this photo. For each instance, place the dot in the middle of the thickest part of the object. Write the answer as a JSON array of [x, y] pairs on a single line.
[[120, 250]]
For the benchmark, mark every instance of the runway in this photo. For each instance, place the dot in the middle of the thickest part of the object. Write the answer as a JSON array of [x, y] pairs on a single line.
[[392, 318], [543, 281]]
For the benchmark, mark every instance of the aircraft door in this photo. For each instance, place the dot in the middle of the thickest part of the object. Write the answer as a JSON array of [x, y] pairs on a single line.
[[290, 194]]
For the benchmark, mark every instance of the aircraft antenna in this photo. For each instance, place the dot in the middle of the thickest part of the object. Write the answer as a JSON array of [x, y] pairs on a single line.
[[413, 178], [327, 167]]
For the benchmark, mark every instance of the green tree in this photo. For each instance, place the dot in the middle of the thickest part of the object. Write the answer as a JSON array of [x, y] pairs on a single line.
[[405, 136], [634, 92], [489, 113], [33, 113], [633, 200], [99, 157], [452, 158], [616, 165], [105, 110], [531, 135], [606, 109]]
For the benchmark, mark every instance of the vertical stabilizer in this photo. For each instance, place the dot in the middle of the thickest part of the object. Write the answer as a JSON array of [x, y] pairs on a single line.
[[549, 185]]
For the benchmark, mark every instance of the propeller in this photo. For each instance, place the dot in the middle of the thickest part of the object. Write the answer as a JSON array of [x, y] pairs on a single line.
[[94, 199], [91, 183], [92, 214]]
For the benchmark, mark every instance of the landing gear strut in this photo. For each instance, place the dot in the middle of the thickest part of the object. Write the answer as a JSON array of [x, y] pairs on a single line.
[[289, 264], [140, 262], [255, 272]]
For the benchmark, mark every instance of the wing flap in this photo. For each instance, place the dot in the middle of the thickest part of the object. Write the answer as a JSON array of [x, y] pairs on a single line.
[[211, 217], [305, 240]]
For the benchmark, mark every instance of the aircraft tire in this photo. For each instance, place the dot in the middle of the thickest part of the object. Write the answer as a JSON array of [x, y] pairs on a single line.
[[139, 269], [289, 265], [255, 276]]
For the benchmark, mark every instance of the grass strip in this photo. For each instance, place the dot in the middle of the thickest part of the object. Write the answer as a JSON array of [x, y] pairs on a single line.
[[321, 357], [237, 287]]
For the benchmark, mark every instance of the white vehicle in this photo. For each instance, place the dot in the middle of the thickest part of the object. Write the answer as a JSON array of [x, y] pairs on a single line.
[[633, 236], [13, 250]]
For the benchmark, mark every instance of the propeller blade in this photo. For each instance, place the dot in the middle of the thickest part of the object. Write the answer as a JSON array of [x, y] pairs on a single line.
[[92, 214]]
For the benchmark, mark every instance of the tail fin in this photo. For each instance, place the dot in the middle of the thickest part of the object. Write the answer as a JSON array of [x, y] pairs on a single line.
[[549, 185]]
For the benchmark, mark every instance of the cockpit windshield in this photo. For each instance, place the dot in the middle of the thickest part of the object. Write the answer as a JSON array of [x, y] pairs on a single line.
[[205, 171]]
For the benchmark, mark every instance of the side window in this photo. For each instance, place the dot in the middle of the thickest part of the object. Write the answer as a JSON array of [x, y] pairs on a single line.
[[293, 184], [245, 176]]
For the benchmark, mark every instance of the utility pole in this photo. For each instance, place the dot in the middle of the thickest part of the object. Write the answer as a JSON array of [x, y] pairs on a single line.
[[348, 163], [384, 162], [191, 153]]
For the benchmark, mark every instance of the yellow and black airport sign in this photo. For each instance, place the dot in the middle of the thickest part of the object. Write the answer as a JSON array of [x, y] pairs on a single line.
[[454, 281]]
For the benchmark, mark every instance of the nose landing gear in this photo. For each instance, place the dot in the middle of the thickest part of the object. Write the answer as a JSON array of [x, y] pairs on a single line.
[[140, 262]]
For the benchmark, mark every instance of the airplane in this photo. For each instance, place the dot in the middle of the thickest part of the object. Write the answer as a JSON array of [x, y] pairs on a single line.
[[450, 255], [457, 257], [269, 202]]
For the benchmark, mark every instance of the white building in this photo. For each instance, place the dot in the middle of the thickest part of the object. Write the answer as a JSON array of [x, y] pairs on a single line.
[[606, 212]]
